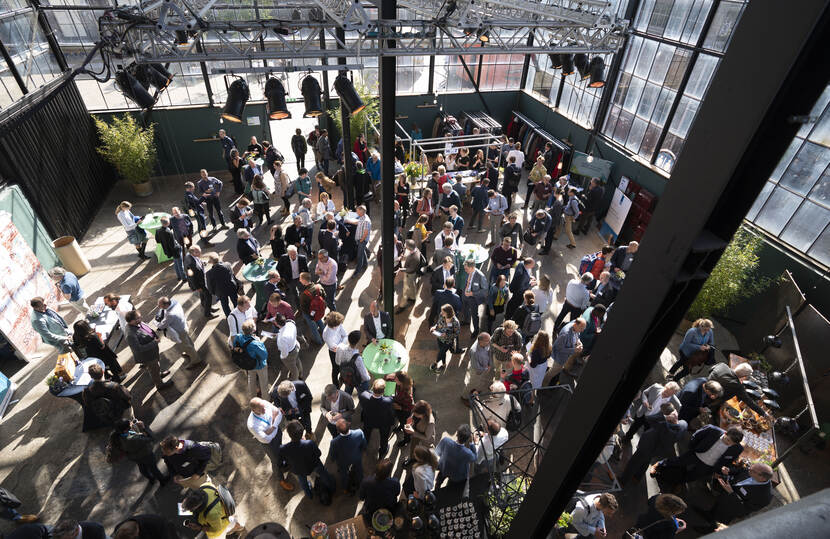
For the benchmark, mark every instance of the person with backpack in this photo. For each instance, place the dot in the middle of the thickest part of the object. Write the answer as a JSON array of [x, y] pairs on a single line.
[[133, 440], [249, 354], [288, 346], [303, 459], [107, 400], [186, 460], [528, 317], [595, 263], [213, 508], [243, 312], [571, 213], [353, 373]]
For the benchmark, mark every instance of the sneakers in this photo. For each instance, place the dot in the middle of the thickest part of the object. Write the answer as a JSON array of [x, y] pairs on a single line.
[[435, 368], [571, 246]]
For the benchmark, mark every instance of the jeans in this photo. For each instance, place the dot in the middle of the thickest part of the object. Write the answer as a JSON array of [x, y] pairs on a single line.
[[148, 468], [213, 202], [316, 327], [475, 221], [300, 161], [567, 309], [322, 475], [331, 291], [200, 219], [383, 431], [362, 256], [178, 264], [8, 513], [335, 369]]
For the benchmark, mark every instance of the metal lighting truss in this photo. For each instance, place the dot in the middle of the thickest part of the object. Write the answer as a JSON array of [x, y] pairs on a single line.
[[147, 33]]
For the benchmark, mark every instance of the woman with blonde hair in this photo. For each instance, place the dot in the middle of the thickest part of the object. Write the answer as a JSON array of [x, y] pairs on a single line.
[[135, 234], [324, 205], [439, 161], [543, 294], [697, 347], [281, 184]]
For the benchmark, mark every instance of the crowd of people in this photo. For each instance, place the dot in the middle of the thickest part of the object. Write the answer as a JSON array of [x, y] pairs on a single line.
[[497, 312]]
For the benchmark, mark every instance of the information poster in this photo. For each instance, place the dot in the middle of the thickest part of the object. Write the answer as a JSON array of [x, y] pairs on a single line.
[[596, 168], [23, 279], [617, 212]]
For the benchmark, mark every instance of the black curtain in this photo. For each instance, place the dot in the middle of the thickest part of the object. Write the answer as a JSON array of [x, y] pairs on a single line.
[[48, 149]]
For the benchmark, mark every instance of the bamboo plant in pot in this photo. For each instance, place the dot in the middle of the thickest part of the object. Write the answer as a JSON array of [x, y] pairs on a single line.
[[130, 148]]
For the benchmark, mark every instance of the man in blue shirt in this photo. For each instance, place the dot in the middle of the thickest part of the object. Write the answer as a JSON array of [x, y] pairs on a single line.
[[454, 459], [209, 188], [69, 286], [346, 449], [256, 349], [566, 344]]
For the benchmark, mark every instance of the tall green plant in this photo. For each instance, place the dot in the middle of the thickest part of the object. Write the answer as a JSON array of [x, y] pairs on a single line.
[[128, 147], [360, 122], [734, 277]]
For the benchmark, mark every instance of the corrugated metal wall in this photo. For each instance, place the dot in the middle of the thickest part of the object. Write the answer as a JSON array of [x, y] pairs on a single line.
[[48, 149]]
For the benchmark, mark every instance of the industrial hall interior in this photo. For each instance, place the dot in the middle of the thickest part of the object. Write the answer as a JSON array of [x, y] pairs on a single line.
[[356, 269]]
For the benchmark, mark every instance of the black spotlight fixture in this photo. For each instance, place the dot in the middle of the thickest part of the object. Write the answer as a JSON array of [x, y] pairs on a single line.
[[238, 95], [581, 63], [154, 75], [779, 378], [133, 90], [348, 95], [181, 38], [555, 61], [567, 64], [275, 94], [596, 70], [310, 89], [483, 34], [773, 340]]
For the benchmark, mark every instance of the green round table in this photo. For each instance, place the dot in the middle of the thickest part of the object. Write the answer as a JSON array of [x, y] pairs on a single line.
[[380, 363], [471, 250], [258, 274], [151, 223]]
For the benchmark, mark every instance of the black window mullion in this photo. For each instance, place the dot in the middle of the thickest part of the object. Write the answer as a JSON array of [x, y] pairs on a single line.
[[13, 68]]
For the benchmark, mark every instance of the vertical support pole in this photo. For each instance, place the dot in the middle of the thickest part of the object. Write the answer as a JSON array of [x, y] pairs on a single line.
[[526, 64], [326, 97], [388, 65], [346, 132]]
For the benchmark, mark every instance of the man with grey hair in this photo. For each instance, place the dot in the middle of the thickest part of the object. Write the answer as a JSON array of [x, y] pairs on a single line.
[[172, 248], [410, 261], [69, 286], [577, 299], [172, 323]]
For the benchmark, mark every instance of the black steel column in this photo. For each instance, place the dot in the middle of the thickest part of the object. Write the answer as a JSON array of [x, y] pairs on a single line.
[[13, 69], [388, 66], [326, 96], [46, 28], [526, 65], [200, 48], [742, 129], [474, 81], [346, 132]]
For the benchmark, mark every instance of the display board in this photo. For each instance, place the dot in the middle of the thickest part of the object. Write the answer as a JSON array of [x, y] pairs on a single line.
[[597, 168], [23, 279], [615, 218]]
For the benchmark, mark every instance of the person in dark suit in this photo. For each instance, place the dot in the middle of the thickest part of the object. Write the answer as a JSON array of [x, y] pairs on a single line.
[[71, 528], [522, 281], [221, 283], [602, 293], [195, 270], [733, 386], [294, 232], [346, 449], [303, 457], [377, 413], [441, 273], [656, 442], [711, 450], [380, 491], [742, 493], [473, 289], [445, 296], [377, 324], [145, 527], [247, 247], [697, 395], [294, 399], [30, 530], [290, 266], [328, 239], [172, 248]]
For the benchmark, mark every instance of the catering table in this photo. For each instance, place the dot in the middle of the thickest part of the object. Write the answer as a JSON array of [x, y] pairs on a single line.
[[81, 377], [352, 528], [386, 357], [151, 223], [477, 252], [106, 322], [257, 274]]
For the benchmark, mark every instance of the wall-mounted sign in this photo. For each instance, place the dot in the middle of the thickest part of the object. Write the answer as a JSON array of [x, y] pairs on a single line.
[[597, 168]]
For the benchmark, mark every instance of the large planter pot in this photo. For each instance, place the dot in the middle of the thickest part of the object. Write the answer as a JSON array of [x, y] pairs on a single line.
[[143, 189]]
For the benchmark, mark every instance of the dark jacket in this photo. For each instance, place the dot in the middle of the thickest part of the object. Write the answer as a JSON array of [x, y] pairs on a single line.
[[92, 530], [605, 296], [167, 240], [192, 460], [32, 530], [385, 325], [436, 280], [347, 449], [743, 500], [655, 442], [193, 202], [329, 243], [656, 525], [248, 250], [302, 394], [293, 236], [377, 495], [593, 198], [692, 398], [116, 393], [520, 281], [195, 271], [512, 176], [705, 437], [377, 412], [733, 387], [151, 527], [619, 257], [221, 281], [284, 266], [444, 297], [298, 145], [303, 457]]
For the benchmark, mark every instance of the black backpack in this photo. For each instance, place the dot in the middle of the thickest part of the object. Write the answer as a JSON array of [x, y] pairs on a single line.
[[348, 372], [103, 408], [323, 491], [533, 322], [514, 417], [241, 358]]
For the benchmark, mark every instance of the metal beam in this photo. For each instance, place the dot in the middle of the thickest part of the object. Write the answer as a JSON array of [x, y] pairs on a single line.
[[13, 68], [742, 129], [46, 28], [387, 76], [526, 64], [474, 81]]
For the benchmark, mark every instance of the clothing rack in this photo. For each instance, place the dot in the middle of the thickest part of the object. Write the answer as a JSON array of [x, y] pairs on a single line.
[[533, 139], [481, 120]]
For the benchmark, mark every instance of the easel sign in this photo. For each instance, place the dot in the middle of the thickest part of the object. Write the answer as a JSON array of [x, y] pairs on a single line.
[[615, 218]]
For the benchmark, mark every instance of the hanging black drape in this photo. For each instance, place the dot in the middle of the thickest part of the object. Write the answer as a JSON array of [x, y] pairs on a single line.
[[48, 149]]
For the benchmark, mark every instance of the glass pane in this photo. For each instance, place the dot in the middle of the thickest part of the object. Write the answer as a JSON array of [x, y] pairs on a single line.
[[723, 23], [611, 120], [777, 211], [632, 99], [635, 136], [821, 248], [650, 141], [661, 111], [821, 192], [686, 111], [677, 19], [647, 52], [759, 202], [644, 15], [785, 159], [677, 68], [659, 17], [701, 75], [808, 165], [633, 53], [816, 111], [694, 24], [821, 132], [623, 126], [648, 100], [661, 63], [622, 89], [806, 225]]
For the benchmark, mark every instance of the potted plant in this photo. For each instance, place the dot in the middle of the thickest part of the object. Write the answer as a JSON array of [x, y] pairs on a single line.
[[130, 148], [414, 171]]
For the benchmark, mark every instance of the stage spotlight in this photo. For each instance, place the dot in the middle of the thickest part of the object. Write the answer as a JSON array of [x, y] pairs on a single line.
[[181, 38], [596, 69], [779, 378], [238, 95], [348, 95], [555, 61], [581, 63], [154, 75], [483, 34], [310, 89], [275, 96], [567, 64], [133, 90], [773, 340]]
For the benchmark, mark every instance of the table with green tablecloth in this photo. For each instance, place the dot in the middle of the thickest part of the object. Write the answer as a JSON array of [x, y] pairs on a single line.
[[387, 356], [151, 223], [257, 274]]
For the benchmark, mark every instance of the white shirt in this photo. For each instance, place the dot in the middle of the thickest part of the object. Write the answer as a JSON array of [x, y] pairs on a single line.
[[439, 240], [335, 406], [345, 353], [333, 337], [236, 319], [519, 155], [710, 457], [127, 219], [658, 402], [486, 446], [257, 424], [295, 267], [424, 478], [544, 299], [287, 338], [378, 330], [322, 208]]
